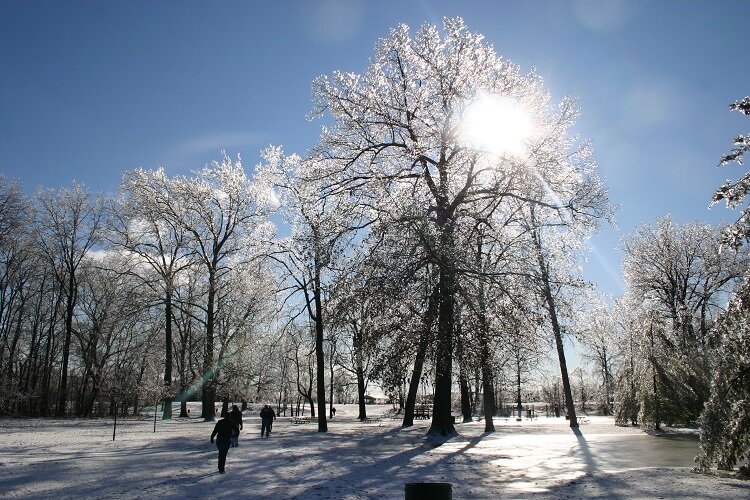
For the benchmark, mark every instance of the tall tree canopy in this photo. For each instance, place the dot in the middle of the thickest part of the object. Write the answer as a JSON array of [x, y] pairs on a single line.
[[403, 142]]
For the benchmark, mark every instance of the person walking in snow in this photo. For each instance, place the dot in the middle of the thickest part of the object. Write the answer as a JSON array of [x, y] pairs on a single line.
[[267, 416], [223, 431], [236, 416]]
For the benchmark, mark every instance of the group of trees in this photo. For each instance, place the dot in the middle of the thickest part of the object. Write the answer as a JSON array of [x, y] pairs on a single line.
[[725, 422], [677, 282], [676, 343], [399, 250], [102, 297], [470, 245], [408, 251]]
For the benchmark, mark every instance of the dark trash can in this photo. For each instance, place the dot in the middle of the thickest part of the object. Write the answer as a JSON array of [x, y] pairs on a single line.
[[428, 491]]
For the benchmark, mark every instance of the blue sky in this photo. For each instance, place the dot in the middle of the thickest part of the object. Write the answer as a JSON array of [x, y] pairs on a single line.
[[90, 89]]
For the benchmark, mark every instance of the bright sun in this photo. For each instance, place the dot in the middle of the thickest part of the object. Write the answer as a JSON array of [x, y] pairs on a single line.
[[496, 124]]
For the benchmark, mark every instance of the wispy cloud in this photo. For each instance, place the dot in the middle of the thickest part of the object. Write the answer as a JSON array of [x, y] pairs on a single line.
[[653, 100], [333, 22], [604, 17], [217, 142], [192, 152]]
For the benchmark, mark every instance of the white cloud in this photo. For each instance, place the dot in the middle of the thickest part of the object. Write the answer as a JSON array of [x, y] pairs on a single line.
[[217, 142], [193, 152]]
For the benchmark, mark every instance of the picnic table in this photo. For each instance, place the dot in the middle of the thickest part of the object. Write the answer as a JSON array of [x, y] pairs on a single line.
[[583, 420], [300, 420], [423, 412]]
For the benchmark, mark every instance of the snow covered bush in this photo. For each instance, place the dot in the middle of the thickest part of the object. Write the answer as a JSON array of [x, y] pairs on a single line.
[[725, 422]]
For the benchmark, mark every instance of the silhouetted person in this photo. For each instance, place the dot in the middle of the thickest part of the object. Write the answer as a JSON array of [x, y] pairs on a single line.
[[236, 416], [267, 416], [223, 430], [333, 411]]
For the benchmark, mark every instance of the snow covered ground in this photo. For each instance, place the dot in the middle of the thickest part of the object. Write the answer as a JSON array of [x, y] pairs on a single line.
[[54, 458]]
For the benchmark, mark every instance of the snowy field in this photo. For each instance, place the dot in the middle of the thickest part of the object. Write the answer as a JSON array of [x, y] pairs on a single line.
[[50, 458]]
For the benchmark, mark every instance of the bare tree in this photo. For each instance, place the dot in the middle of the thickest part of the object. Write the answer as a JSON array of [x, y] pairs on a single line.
[[69, 224], [398, 142], [598, 333], [321, 228], [217, 209], [682, 279], [142, 226], [107, 302]]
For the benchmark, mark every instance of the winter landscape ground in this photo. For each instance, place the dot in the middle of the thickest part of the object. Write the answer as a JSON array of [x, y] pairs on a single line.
[[56, 458]]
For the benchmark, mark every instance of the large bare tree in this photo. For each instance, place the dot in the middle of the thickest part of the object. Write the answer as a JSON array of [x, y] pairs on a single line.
[[69, 224], [144, 228], [218, 211], [321, 227], [403, 139]]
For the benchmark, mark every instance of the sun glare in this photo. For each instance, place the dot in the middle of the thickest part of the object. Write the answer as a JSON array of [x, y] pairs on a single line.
[[499, 125]]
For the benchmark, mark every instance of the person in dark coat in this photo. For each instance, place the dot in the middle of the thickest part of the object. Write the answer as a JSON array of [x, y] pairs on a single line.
[[267, 416], [236, 416], [223, 430]]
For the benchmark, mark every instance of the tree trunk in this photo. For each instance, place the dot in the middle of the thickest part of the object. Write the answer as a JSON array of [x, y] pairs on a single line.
[[47, 364], [424, 340], [89, 406], [416, 375], [563, 366], [441, 416], [330, 382], [657, 416], [69, 307], [33, 359], [312, 406], [167, 414], [16, 336], [320, 357], [183, 406], [488, 389], [556, 330], [519, 400], [361, 391], [80, 398], [607, 385], [185, 341], [208, 412], [488, 395], [359, 369], [463, 378], [465, 397]]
